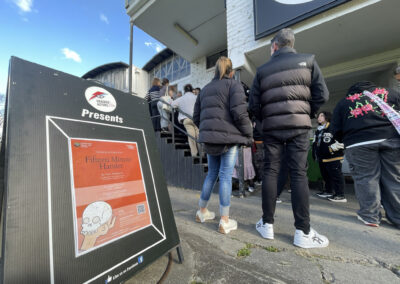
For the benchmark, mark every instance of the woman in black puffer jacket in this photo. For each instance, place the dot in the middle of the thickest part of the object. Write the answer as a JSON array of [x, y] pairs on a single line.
[[221, 115]]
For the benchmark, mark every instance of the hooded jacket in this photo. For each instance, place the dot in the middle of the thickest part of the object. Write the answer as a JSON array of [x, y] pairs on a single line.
[[221, 114], [357, 119], [323, 139], [287, 91]]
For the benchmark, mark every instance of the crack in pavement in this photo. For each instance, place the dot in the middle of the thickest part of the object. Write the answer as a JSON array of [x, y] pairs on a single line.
[[393, 268], [312, 256], [255, 274], [223, 264], [364, 262]]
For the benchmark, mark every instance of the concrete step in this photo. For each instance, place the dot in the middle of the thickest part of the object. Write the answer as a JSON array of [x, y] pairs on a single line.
[[182, 146], [177, 140], [197, 160]]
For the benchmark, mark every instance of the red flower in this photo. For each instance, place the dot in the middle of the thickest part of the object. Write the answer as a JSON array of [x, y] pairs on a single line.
[[367, 108], [353, 97], [356, 112]]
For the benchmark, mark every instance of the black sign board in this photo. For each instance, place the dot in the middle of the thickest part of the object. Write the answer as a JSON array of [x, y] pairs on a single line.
[[273, 15], [84, 197]]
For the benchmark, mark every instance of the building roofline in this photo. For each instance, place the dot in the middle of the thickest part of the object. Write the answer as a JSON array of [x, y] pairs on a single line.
[[103, 68], [157, 59]]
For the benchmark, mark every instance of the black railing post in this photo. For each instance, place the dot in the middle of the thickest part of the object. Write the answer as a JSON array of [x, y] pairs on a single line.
[[173, 124], [242, 192], [240, 157]]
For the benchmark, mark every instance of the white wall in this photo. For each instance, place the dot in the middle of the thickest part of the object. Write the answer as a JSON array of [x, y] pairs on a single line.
[[115, 78], [119, 79], [240, 31], [140, 79]]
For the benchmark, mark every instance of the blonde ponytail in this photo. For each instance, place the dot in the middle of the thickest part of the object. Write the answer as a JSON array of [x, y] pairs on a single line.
[[223, 67]]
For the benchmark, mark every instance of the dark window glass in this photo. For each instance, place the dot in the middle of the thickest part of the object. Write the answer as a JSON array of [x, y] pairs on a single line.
[[212, 59]]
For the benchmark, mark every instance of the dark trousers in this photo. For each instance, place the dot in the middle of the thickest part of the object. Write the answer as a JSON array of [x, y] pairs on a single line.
[[283, 173], [332, 174], [154, 112], [376, 173], [296, 150], [258, 160]]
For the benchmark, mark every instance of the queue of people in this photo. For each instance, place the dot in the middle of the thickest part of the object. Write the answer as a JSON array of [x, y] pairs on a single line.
[[162, 98], [287, 92], [274, 128]]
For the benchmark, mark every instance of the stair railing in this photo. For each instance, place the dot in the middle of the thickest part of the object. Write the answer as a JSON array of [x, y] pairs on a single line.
[[240, 170], [174, 126]]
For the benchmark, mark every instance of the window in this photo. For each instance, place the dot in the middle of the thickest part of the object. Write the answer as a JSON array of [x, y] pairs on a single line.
[[174, 69], [212, 59]]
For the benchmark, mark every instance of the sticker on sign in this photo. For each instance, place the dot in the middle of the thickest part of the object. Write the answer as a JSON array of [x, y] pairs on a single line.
[[100, 99]]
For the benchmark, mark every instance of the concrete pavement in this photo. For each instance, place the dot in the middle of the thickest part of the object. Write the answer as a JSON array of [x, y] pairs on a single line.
[[356, 254]]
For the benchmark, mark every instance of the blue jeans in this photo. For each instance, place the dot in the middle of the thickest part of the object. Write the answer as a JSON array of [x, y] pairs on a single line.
[[221, 165]]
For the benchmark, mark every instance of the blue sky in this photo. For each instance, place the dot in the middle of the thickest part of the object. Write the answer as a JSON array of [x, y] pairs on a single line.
[[73, 36]]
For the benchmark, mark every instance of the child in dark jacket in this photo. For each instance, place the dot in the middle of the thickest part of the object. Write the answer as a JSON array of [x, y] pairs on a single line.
[[329, 154]]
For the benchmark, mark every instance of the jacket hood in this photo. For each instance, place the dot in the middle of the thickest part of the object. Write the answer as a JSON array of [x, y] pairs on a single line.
[[359, 87]]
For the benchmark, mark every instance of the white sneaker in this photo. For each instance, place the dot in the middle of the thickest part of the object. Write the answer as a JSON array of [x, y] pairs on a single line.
[[312, 240], [251, 189], [266, 230], [202, 217], [225, 228]]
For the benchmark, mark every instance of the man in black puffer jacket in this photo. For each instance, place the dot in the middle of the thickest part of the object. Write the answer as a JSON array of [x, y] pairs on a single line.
[[287, 92]]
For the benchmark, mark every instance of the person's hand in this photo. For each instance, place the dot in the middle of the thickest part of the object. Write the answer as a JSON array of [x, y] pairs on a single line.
[[249, 143], [102, 230], [337, 146]]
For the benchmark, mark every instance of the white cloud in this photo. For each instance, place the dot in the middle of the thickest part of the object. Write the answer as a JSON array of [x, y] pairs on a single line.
[[156, 46], [70, 54], [104, 18], [24, 5]]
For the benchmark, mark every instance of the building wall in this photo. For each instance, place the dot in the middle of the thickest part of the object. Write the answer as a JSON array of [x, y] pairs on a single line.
[[199, 75], [240, 31], [139, 81], [119, 79], [116, 78]]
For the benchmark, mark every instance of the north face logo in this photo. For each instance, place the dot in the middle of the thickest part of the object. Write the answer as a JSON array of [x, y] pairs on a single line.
[[303, 64]]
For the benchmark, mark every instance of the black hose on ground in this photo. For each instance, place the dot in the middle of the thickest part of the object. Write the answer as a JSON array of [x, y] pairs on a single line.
[[169, 265]]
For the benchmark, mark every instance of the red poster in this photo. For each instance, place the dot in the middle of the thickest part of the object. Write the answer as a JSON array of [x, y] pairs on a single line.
[[108, 192]]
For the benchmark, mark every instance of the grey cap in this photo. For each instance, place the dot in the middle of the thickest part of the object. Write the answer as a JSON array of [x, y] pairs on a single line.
[[397, 71]]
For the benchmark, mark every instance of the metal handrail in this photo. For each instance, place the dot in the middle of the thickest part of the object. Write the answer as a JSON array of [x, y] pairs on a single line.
[[240, 170], [176, 126]]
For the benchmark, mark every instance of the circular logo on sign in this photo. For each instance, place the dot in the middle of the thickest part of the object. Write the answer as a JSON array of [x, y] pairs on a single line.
[[293, 2], [100, 99]]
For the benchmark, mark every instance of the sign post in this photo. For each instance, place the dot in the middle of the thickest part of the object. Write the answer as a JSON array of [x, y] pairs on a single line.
[[84, 197]]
